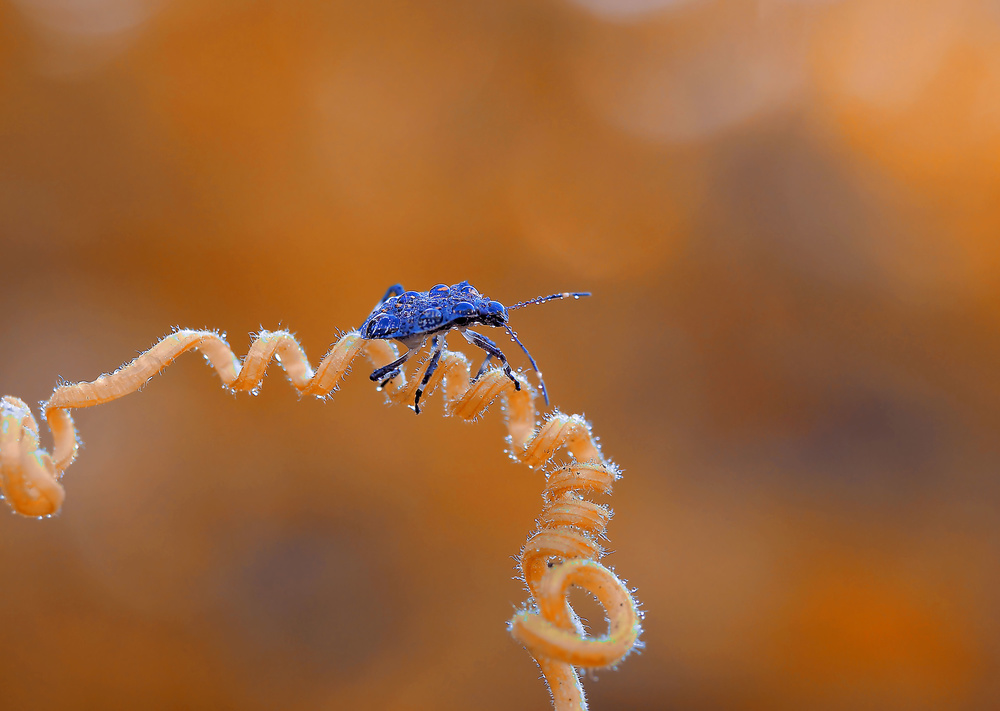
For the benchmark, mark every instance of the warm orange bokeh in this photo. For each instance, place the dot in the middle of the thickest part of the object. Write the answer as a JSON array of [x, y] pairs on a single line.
[[788, 214]]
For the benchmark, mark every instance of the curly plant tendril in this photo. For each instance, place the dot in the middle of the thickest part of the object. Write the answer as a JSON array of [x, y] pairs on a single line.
[[563, 552]]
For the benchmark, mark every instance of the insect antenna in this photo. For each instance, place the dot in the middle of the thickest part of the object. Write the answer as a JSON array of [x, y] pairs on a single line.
[[540, 300], [543, 299], [534, 365]]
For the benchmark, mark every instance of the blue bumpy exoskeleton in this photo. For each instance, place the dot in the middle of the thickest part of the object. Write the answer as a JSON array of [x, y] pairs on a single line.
[[410, 317]]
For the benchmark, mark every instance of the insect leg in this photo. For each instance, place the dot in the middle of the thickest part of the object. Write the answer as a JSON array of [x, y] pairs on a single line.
[[388, 372], [483, 367], [493, 351], [394, 290], [431, 367]]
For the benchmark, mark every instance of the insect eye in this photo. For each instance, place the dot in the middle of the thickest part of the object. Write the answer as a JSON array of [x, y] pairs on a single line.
[[382, 327], [430, 318], [439, 289], [463, 308], [493, 308]]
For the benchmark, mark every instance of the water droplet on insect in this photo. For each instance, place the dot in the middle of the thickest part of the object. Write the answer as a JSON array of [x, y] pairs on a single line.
[[255, 391]]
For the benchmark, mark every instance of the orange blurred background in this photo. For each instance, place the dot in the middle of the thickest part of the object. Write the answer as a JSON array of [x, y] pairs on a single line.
[[787, 211]]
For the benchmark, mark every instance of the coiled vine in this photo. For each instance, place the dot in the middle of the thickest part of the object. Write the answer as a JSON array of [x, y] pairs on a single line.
[[563, 552]]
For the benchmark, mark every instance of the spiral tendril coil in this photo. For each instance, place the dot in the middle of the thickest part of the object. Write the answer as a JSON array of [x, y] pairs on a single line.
[[563, 551]]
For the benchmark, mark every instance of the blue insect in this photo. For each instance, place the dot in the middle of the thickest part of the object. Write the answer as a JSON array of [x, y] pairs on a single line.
[[411, 317]]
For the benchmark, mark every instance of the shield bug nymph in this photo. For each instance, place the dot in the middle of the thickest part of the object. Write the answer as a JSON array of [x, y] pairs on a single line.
[[411, 317]]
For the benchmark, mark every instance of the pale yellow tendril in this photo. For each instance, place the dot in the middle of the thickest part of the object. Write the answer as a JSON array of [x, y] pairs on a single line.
[[563, 552]]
